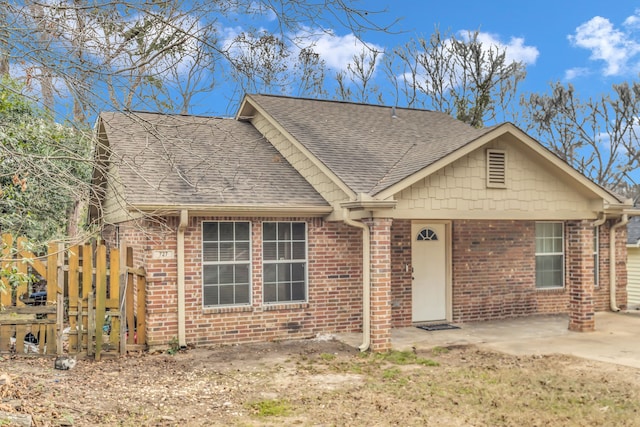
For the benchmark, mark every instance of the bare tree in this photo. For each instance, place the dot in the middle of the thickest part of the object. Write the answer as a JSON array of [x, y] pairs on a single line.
[[463, 77], [356, 83], [597, 136], [160, 55]]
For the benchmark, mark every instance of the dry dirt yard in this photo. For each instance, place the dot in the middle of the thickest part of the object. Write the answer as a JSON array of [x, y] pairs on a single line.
[[322, 383]]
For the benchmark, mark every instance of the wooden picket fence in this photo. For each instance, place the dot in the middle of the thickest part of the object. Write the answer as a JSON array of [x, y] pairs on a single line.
[[82, 302]]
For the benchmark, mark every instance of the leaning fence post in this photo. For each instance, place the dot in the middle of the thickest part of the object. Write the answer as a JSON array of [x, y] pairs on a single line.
[[124, 274]]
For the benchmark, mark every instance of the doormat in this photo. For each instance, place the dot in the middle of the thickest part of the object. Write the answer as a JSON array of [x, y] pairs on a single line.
[[438, 327]]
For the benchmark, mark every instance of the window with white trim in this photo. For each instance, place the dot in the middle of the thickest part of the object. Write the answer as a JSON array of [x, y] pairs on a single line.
[[226, 263], [596, 256], [284, 262], [549, 255]]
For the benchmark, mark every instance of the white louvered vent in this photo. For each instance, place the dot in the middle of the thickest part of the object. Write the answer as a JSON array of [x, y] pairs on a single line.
[[496, 168]]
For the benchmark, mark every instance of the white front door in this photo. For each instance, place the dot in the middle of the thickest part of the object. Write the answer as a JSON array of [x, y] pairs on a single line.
[[429, 259]]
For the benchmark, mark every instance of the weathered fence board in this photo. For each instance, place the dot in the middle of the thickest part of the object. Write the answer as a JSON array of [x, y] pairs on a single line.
[[88, 303]]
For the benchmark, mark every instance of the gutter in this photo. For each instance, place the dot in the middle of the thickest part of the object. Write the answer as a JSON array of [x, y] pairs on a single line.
[[612, 260], [366, 278], [184, 221]]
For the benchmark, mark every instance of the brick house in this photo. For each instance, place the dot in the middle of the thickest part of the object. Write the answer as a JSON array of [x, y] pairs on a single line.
[[300, 217]]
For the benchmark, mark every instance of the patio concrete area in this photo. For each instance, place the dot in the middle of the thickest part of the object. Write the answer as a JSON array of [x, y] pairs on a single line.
[[616, 339]]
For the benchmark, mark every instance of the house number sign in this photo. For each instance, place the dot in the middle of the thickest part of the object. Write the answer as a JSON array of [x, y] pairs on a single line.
[[168, 254]]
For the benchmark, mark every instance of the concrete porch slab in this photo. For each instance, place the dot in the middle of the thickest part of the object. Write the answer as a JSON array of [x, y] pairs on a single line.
[[616, 339]]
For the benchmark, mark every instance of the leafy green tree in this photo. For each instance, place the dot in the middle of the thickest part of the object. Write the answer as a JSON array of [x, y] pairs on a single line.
[[44, 170]]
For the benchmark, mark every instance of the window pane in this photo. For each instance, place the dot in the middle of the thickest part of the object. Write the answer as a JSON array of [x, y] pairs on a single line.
[[298, 250], [210, 252], [284, 231], [270, 292], [269, 231], [284, 292], [226, 294], [270, 271], [226, 231], [298, 231], [284, 250], [284, 272], [242, 231], [242, 251], [297, 272], [270, 252], [210, 231], [210, 275], [242, 273], [226, 274], [210, 295], [297, 293], [226, 251], [242, 294]]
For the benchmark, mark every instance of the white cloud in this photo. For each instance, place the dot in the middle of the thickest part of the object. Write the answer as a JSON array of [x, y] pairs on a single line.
[[633, 21], [574, 73], [336, 51], [615, 47], [515, 49]]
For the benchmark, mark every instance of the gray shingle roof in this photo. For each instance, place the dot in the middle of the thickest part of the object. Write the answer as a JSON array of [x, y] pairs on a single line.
[[367, 148], [169, 160]]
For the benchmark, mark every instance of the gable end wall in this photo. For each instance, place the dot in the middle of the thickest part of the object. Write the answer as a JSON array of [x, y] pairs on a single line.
[[460, 190]]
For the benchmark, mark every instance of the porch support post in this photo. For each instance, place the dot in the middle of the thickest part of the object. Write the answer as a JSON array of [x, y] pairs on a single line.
[[581, 280], [380, 283]]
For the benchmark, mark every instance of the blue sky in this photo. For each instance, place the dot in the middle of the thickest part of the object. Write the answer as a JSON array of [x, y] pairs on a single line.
[[590, 43]]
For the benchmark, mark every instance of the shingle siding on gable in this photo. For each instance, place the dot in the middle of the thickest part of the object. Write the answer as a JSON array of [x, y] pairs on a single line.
[[459, 191], [313, 174]]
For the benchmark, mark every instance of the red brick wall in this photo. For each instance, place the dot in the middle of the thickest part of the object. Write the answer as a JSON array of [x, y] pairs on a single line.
[[334, 289], [400, 274], [494, 271], [493, 275]]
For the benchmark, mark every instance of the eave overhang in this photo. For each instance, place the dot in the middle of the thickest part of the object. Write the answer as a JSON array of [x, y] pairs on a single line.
[[233, 210]]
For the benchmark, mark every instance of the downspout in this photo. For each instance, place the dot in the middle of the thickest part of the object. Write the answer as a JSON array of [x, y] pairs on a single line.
[[612, 260], [366, 278], [601, 220], [184, 221]]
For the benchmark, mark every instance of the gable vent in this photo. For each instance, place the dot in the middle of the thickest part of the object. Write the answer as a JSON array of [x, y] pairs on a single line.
[[497, 168]]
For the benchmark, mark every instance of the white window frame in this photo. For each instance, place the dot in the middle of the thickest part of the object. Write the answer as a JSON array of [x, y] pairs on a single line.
[[539, 255], [233, 263], [283, 261]]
